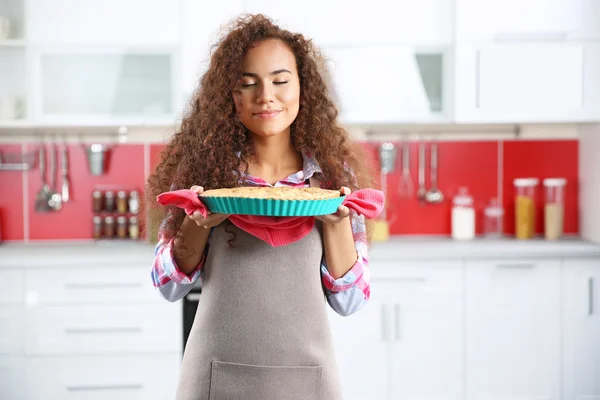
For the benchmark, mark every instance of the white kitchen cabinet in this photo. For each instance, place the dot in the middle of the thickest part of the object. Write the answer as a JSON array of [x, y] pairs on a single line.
[[478, 20], [581, 329], [513, 329], [427, 346], [109, 22], [101, 329], [407, 342], [390, 84], [376, 22], [527, 82], [12, 326], [361, 343], [103, 377], [12, 378], [200, 26], [103, 85], [99, 285], [13, 83]]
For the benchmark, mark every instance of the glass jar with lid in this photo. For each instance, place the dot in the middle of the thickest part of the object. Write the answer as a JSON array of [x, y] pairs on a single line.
[[525, 199], [554, 208], [493, 219], [463, 215]]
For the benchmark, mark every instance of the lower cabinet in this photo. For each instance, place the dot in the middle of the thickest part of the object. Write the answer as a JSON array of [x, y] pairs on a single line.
[[513, 329], [581, 329], [139, 377], [407, 342]]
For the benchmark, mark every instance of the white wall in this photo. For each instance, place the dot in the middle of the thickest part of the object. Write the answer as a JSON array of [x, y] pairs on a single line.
[[589, 182]]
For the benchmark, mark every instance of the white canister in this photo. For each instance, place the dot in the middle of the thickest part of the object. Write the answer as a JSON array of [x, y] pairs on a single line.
[[463, 215]]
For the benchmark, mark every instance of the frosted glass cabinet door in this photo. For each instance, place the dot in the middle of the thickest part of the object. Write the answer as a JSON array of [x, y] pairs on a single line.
[[102, 86], [388, 84]]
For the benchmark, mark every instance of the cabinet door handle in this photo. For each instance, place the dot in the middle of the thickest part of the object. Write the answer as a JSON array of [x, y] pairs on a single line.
[[516, 266], [397, 321], [94, 388], [591, 296], [193, 297], [87, 331], [530, 36], [477, 78], [384, 323]]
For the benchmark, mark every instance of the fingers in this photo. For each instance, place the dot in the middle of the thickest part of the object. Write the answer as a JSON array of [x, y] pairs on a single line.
[[345, 190], [197, 189]]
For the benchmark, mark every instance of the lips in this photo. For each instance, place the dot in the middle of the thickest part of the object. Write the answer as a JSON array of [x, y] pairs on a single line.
[[267, 114]]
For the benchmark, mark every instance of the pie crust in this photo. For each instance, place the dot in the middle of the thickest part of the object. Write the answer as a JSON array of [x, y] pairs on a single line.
[[274, 193]]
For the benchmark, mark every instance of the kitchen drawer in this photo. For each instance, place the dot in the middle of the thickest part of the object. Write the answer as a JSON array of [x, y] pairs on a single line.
[[11, 331], [90, 285], [12, 286], [12, 378], [421, 276], [103, 377], [96, 329]]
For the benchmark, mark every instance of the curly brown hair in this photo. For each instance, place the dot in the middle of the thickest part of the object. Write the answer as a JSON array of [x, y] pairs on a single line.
[[204, 150]]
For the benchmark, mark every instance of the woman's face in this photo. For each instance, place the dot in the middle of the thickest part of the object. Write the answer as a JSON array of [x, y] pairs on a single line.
[[267, 95]]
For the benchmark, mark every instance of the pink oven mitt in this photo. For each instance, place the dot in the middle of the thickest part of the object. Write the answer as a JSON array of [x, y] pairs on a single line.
[[277, 231]]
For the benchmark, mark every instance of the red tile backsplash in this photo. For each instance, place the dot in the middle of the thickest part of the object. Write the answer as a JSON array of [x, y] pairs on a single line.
[[471, 164], [74, 221], [11, 199]]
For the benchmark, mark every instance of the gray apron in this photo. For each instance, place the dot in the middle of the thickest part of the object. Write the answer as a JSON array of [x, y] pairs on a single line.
[[261, 331]]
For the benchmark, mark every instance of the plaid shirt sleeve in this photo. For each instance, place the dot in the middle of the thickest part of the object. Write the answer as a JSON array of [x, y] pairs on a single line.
[[348, 294], [171, 283]]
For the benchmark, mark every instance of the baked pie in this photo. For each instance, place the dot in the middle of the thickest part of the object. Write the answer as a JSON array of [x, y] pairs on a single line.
[[274, 193]]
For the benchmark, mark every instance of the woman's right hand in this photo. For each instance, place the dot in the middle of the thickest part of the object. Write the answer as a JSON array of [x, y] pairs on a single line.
[[212, 219]]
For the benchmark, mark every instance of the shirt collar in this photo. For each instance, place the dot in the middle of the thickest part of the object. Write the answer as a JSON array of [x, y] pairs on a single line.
[[310, 167]]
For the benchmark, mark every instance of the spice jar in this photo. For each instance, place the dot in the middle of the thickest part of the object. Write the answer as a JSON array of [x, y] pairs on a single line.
[[109, 201], [122, 201], [122, 227], [554, 208], [493, 216], [463, 215], [109, 227], [97, 230], [134, 202], [97, 201], [525, 194], [134, 228]]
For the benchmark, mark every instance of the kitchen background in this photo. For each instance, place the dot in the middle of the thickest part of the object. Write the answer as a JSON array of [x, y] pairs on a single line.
[[461, 307]]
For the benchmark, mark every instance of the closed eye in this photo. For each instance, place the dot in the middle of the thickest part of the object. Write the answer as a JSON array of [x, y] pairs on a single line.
[[247, 84], [280, 83]]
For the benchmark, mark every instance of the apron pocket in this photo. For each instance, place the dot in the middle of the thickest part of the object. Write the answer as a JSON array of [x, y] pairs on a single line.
[[232, 381]]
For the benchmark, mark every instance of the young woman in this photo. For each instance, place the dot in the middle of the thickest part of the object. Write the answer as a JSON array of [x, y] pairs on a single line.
[[261, 116]]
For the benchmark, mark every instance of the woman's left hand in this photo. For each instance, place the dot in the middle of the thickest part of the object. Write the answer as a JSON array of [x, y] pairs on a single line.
[[342, 212]]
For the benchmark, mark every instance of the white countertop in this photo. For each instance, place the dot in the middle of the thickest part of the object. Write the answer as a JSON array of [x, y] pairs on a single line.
[[119, 253]]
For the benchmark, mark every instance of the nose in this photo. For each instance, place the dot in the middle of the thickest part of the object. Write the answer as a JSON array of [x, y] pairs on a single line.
[[265, 94]]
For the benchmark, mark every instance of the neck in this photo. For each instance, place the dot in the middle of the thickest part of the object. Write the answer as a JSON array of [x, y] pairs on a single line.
[[274, 155]]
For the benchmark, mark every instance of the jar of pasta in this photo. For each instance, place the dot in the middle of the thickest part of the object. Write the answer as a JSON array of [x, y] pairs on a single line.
[[525, 196], [554, 208]]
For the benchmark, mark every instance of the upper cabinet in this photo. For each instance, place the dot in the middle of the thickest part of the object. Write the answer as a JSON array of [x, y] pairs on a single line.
[[389, 84], [527, 82], [200, 27], [479, 20], [375, 22], [118, 22]]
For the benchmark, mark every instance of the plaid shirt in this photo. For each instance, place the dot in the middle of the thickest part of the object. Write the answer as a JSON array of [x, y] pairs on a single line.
[[345, 295]]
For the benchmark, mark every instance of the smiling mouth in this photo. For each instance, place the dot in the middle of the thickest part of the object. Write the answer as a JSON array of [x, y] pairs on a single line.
[[267, 114]]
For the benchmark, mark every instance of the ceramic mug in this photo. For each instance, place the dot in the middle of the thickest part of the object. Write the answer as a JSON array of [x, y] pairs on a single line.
[[4, 27]]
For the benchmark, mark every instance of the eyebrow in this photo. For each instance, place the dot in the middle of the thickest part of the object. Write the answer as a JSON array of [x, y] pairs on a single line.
[[276, 72]]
